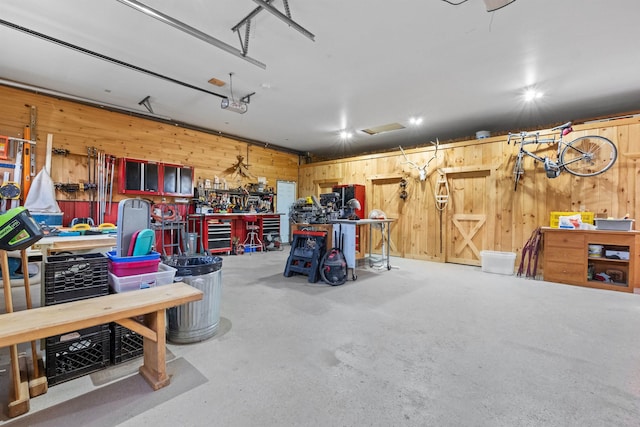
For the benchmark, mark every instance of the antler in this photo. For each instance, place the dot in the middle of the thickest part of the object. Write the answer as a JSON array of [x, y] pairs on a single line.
[[407, 159], [422, 170], [435, 153]]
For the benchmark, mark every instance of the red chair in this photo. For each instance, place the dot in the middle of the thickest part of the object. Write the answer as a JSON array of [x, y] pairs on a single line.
[[252, 242]]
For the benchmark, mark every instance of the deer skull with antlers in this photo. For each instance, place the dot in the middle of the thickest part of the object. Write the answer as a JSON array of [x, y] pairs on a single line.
[[422, 170]]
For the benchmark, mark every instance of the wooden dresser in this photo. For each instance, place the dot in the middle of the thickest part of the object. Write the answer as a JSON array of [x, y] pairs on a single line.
[[567, 258]]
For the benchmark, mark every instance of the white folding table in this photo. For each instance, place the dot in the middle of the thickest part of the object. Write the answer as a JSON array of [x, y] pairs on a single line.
[[347, 233]]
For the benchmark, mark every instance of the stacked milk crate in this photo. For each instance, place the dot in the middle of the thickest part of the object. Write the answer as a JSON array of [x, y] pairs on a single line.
[[71, 278], [129, 273]]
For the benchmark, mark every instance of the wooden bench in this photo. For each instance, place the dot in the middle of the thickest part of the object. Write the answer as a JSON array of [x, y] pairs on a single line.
[[38, 323]]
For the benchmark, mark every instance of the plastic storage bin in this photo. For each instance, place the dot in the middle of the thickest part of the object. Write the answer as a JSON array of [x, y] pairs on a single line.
[[164, 276], [51, 219], [498, 262], [554, 220], [133, 268], [133, 265], [113, 257], [614, 224]]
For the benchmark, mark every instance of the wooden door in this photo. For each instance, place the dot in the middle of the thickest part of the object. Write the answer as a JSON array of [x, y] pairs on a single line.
[[385, 196], [467, 217]]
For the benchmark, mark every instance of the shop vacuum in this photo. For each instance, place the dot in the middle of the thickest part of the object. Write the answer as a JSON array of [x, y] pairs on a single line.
[[333, 267]]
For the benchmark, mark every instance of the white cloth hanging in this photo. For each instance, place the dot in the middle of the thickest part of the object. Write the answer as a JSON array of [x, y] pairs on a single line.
[[42, 195]]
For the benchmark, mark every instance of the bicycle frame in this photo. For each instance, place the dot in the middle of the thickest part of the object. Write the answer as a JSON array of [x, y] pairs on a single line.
[[536, 140], [584, 156]]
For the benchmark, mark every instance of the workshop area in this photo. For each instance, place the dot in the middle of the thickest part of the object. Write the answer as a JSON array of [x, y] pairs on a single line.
[[295, 213]]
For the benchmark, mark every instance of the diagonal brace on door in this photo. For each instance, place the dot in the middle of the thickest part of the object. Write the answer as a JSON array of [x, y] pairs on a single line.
[[468, 236]]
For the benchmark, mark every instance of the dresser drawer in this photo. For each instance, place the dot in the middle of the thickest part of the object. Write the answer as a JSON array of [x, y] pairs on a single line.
[[564, 240], [565, 272]]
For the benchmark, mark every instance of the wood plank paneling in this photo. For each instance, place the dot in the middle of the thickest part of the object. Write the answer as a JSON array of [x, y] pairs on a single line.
[[512, 216], [77, 126]]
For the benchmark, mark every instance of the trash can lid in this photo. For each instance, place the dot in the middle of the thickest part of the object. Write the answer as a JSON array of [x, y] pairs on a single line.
[[194, 265]]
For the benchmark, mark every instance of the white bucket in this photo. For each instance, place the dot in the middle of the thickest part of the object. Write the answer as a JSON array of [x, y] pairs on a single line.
[[595, 251]]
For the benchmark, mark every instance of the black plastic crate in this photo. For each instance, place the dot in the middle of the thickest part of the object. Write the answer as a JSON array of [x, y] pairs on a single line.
[[78, 353], [125, 344], [75, 277]]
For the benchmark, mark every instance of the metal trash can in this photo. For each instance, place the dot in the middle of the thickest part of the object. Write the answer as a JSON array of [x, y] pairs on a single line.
[[197, 320]]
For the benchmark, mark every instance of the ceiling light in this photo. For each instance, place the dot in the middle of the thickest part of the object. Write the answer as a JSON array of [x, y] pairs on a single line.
[[496, 4], [345, 134], [532, 94], [415, 120]]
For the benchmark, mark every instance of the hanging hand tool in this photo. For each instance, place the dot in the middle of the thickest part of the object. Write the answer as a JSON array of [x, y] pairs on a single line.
[[95, 179], [91, 175], [99, 187], [29, 153], [112, 160], [26, 167], [17, 173], [5, 179], [88, 184]]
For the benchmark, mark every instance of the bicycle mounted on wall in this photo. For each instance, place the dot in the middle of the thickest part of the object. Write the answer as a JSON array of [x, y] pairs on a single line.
[[584, 156]]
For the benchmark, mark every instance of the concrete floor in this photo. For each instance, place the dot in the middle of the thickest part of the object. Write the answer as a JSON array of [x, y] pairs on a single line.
[[424, 344]]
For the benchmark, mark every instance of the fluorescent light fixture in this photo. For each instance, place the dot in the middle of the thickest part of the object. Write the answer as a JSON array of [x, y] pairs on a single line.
[[496, 4], [415, 121]]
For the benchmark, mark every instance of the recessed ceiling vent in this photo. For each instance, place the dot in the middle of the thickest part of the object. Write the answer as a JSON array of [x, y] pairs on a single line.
[[384, 128]]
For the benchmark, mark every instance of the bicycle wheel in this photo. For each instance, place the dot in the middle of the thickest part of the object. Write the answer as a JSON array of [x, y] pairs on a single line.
[[518, 171], [588, 156]]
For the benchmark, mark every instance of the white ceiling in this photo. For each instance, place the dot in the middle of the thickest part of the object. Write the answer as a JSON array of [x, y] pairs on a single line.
[[372, 63]]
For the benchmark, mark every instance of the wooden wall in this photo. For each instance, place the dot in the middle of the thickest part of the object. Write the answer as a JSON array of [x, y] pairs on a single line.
[[75, 127], [483, 211]]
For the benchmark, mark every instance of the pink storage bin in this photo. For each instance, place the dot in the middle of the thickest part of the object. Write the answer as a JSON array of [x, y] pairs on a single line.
[[121, 269]]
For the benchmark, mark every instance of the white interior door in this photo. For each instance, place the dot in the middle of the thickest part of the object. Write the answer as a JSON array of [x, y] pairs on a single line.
[[285, 197]]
